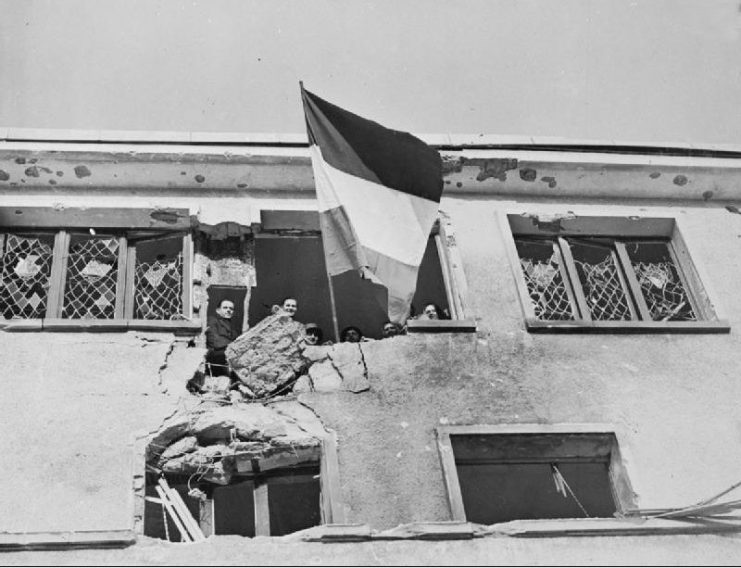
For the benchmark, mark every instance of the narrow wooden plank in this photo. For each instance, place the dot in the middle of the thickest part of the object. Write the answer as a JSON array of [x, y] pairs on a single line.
[[166, 219], [567, 259], [66, 539], [450, 476], [583, 225], [581, 326], [510, 247], [177, 501], [567, 284], [206, 518], [632, 281], [262, 510], [57, 276], [441, 326], [624, 286], [333, 511], [121, 279], [691, 283], [442, 255], [187, 276], [184, 536], [129, 288], [289, 220], [450, 530]]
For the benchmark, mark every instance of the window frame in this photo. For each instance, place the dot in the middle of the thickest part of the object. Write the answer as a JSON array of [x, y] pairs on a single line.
[[559, 228], [621, 488], [120, 224], [331, 506], [279, 222]]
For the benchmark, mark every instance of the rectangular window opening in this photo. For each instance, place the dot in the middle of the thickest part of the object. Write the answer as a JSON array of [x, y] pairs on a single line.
[[495, 478], [273, 503]]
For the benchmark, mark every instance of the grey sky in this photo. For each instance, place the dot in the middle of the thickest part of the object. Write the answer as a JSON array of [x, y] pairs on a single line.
[[663, 70]]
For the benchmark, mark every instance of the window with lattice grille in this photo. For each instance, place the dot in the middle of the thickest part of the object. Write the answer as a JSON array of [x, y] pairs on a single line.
[[608, 273], [75, 275]]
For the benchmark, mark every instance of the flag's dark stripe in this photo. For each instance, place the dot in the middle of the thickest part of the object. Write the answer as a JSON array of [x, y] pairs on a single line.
[[398, 159]]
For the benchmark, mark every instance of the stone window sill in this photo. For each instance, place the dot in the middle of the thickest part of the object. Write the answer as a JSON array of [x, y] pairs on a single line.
[[583, 326], [185, 327], [441, 326]]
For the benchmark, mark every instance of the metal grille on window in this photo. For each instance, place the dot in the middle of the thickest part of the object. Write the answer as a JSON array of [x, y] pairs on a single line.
[[26, 266], [92, 272], [662, 288], [601, 282], [545, 285], [159, 288]]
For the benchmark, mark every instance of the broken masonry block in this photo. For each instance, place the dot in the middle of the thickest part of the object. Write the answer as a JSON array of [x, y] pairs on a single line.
[[268, 356], [348, 358], [179, 448], [324, 377], [316, 353], [303, 384]]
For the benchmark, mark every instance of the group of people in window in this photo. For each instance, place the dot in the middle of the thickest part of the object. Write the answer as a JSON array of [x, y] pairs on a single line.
[[220, 331]]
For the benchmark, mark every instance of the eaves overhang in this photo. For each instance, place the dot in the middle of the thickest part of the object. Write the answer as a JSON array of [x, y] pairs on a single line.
[[496, 166]]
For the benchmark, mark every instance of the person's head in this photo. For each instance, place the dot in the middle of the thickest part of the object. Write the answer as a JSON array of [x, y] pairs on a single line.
[[390, 329], [225, 309], [314, 334], [351, 334], [290, 306], [431, 311]]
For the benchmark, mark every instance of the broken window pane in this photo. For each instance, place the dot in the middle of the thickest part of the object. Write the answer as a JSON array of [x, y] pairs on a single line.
[[234, 509], [293, 500], [662, 288], [158, 279], [92, 273], [601, 281], [540, 267], [26, 265]]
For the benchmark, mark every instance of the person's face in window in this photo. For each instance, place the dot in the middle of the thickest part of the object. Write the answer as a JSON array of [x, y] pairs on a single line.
[[352, 336], [390, 329], [430, 312], [312, 336], [290, 306], [226, 309]]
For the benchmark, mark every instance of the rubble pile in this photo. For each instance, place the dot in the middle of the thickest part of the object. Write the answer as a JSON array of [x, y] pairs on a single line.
[[219, 442], [268, 356]]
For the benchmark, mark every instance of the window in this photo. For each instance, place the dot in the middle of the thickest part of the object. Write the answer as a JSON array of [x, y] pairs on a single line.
[[279, 503], [608, 273], [265, 494], [87, 273], [289, 259], [500, 474]]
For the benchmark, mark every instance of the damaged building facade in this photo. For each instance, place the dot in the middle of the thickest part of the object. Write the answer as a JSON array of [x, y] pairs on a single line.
[[583, 387]]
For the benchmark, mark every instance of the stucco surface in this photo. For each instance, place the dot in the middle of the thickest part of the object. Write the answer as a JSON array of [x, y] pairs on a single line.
[[73, 401], [71, 406]]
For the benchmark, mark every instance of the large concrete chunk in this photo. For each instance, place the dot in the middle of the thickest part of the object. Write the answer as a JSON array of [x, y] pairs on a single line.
[[268, 356]]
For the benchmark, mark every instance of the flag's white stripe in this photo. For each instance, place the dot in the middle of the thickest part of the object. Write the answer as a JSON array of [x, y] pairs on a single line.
[[391, 222]]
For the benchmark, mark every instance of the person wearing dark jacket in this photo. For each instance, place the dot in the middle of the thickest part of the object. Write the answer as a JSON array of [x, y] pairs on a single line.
[[219, 334]]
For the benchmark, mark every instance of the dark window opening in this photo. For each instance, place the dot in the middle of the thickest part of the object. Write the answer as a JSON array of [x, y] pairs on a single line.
[[236, 294], [275, 503], [294, 266], [540, 476]]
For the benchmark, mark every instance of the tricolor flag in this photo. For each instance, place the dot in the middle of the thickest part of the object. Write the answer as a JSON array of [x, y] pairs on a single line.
[[378, 192]]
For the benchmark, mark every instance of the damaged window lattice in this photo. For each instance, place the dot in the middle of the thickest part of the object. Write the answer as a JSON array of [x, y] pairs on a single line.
[[604, 279], [75, 275], [244, 470], [26, 266]]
